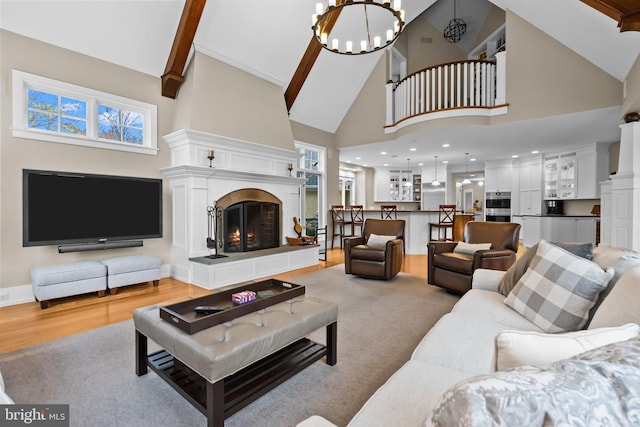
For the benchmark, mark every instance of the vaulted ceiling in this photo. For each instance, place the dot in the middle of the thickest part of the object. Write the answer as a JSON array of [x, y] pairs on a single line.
[[270, 38]]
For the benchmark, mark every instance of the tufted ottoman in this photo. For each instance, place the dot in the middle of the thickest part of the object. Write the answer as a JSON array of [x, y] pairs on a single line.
[[131, 270], [225, 367], [64, 280]]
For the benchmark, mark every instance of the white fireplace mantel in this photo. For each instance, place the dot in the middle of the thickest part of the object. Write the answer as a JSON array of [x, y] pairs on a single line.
[[196, 185]]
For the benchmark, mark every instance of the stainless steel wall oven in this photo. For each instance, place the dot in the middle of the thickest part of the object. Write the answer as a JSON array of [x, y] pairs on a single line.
[[498, 206]]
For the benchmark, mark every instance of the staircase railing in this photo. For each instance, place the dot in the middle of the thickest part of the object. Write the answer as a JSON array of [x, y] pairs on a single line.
[[455, 87]]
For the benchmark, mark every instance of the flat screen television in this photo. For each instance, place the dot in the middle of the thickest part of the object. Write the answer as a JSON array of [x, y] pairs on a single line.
[[63, 208]]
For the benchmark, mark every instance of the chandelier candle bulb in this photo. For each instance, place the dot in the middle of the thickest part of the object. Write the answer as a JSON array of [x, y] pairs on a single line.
[[314, 19], [323, 38], [334, 44], [363, 46], [349, 46], [319, 8], [389, 35], [397, 5], [376, 42]]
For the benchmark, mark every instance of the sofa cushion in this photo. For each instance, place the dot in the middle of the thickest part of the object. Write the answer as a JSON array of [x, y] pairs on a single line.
[[408, 396], [599, 387], [515, 272], [558, 290], [520, 348], [621, 305], [461, 263], [490, 305], [378, 240], [471, 248], [460, 342]]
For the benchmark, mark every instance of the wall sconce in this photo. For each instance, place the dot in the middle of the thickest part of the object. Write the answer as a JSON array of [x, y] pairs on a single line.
[[290, 168], [211, 156]]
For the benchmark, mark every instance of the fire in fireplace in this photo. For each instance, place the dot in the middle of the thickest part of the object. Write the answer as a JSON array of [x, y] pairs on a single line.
[[251, 225]]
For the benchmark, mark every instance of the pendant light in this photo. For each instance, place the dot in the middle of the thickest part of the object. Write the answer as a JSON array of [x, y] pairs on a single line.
[[466, 170], [435, 181]]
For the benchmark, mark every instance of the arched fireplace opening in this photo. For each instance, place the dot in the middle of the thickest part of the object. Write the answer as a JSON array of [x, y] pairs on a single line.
[[251, 220]]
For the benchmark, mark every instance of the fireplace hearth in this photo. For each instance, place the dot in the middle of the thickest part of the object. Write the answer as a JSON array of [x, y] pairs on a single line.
[[250, 226]]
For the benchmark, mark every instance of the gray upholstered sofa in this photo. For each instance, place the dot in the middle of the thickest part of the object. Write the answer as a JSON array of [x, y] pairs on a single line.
[[462, 344]]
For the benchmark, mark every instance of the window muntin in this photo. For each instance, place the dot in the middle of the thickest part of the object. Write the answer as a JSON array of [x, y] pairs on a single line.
[[54, 111]]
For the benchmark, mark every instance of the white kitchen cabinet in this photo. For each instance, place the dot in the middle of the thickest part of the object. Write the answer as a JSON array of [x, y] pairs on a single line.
[[569, 229], [498, 178], [576, 175], [593, 168], [395, 185], [382, 184], [531, 230], [530, 188]]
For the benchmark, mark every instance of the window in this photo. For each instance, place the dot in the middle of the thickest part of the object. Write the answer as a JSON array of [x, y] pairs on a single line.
[[311, 167], [49, 110]]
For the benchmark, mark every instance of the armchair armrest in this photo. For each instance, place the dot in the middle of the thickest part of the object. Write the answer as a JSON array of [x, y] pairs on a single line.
[[500, 259], [349, 243], [440, 247], [486, 279]]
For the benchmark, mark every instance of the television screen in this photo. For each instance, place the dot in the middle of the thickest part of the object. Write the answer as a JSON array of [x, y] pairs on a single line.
[[60, 208]]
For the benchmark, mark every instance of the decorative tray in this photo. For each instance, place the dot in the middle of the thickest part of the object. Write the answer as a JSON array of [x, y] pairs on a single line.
[[183, 316]]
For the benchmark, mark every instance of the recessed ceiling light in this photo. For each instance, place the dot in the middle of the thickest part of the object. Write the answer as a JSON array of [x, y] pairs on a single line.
[[535, 152], [412, 149], [357, 158], [445, 161], [365, 165], [446, 145], [515, 156], [348, 161], [383, 152], [386, 164], [420, 164], [473, 159]]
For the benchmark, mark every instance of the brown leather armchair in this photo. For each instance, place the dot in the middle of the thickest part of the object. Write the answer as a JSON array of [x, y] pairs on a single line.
[[453, 271], [375, 261]]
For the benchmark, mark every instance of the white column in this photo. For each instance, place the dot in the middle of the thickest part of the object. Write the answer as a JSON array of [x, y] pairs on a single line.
[[501, 78], [625, 191], [605, 213], [389, 91]]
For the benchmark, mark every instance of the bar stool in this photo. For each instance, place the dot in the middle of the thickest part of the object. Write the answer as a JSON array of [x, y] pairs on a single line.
[[446, 216], [337, 218], [386, 211], [357, 218]]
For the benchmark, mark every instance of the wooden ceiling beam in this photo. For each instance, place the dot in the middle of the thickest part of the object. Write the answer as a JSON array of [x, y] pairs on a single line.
[[307, 61], [625, 12], [173, 77]]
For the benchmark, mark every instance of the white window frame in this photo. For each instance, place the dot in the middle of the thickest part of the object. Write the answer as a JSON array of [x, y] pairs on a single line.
[[321, 171], [22, 82]]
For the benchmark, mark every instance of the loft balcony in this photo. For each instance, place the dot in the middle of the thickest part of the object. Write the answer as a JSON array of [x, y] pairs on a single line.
[[456, 89]]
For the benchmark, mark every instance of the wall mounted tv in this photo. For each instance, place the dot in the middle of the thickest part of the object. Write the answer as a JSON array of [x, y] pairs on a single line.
[[61, 208]]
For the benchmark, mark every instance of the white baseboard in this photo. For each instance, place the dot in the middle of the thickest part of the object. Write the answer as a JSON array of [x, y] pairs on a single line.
[[24, 293]]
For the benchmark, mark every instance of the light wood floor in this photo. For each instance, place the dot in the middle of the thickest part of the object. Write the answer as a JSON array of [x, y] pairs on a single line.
[[24, 325]]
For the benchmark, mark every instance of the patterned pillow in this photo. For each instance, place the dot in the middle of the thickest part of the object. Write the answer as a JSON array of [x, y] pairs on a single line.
[[558, 290]]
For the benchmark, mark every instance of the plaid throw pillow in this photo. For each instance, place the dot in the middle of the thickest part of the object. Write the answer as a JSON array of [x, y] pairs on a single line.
[[558, 290]]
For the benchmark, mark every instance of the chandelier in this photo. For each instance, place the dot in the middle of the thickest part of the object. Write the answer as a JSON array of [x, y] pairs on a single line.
[[455, 28], [374, 24]]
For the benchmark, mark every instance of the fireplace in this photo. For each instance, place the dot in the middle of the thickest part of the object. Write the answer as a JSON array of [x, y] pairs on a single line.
[[250, 226]]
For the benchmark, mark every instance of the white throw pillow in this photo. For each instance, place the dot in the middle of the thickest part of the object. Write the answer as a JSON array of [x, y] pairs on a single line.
[[470, 248], [521, 348], [379, 240], [558, 290]]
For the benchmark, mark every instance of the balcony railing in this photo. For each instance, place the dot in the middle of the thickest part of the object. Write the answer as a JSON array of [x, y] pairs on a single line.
[[462, 88]]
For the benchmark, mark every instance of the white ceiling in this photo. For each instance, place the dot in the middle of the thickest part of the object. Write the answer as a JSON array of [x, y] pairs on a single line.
[[139, 34]]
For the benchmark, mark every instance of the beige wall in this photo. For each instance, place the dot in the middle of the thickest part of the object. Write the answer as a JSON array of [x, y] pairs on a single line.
[[631, 101], [221, 99], [545, 78], [495, 18], [215, 98], [427, 46], [16, 154]]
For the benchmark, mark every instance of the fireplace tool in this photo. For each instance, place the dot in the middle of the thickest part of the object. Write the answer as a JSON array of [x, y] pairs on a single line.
[[211, 241]]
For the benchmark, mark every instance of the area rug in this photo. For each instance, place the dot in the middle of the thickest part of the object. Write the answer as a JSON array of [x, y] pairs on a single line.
[[379, 325]]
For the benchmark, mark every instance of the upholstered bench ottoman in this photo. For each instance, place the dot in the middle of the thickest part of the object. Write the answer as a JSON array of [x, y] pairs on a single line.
[[232, 364], [131, 270], [64, 280]]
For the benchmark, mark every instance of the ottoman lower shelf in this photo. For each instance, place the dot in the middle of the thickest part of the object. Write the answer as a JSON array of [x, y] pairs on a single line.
[[243, 387]]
